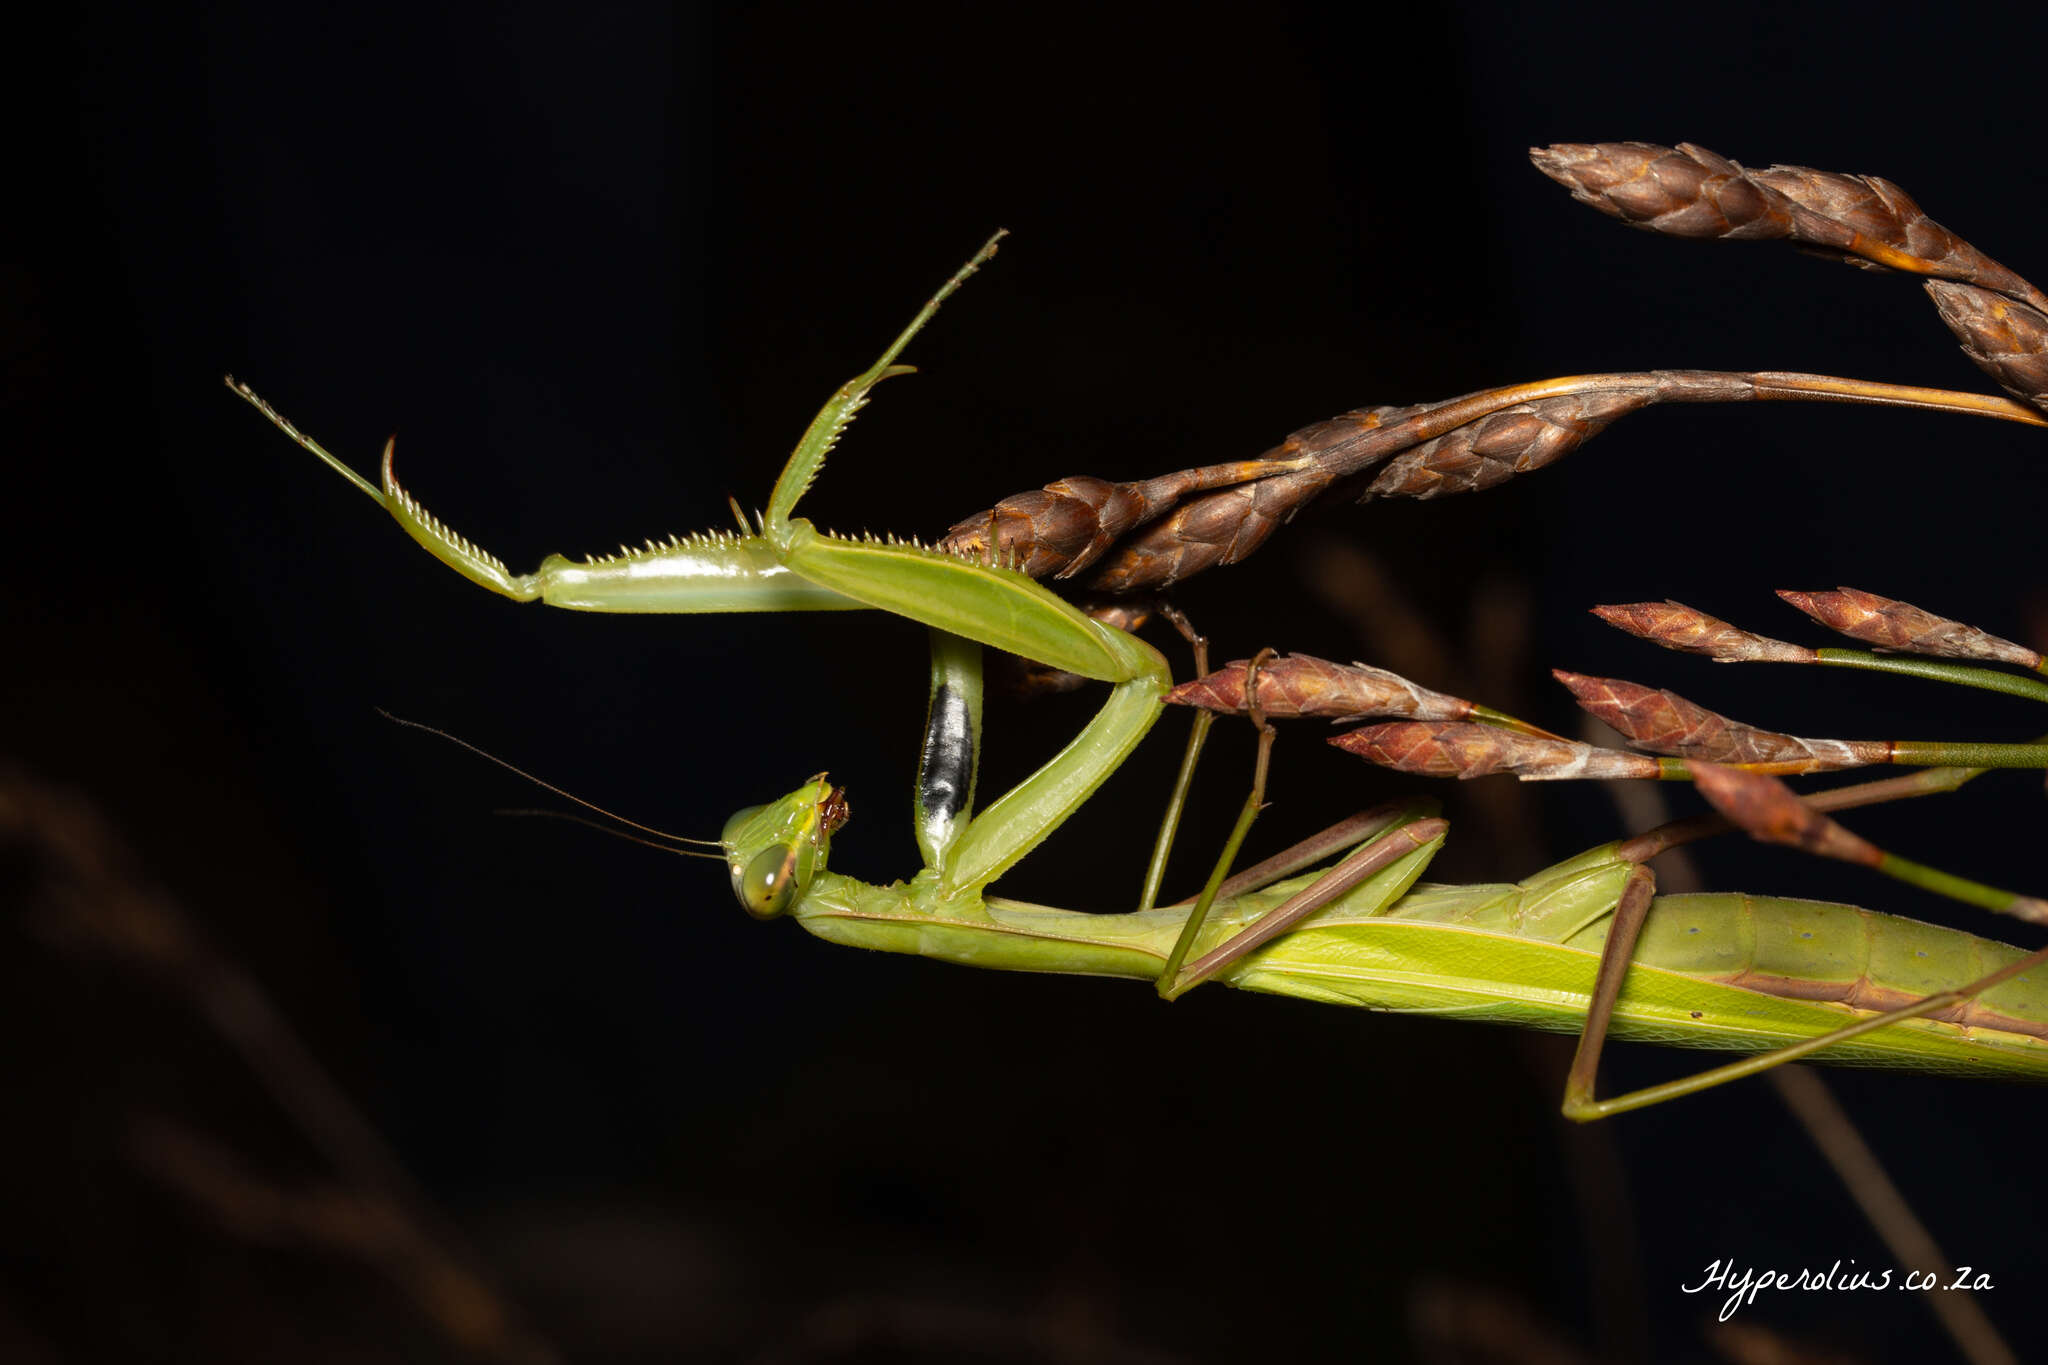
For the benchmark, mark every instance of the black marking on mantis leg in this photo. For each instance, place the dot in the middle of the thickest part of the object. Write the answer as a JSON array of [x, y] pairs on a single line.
[[945, 769]]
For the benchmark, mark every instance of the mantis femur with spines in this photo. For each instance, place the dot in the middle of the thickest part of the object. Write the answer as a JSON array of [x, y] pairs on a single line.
[[1727, 972]]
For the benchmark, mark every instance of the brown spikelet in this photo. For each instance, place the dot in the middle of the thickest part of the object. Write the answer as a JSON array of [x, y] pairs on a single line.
[[1677, 626], [1226, 525], [1851, 201], [1301, 685], [1893, 625], [1062, 528], [1045, 530], [1496, 448], [2005, 338], [1688, 191], [1217, 528], [1873, 222], [1454, 749], [1679, 191], [1665, 723], [1766, 809]]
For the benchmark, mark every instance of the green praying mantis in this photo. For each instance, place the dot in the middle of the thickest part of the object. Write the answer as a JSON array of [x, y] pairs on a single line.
[[1778, 978]]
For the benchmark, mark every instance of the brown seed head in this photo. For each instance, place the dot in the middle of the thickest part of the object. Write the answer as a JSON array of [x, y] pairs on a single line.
[[1665, 723], [1682, 191], [1456, 749], [1301, 685], [1893, 625], [1856, 202], [1494, 449], [1048, 530], [1677, 626], [1688, 191], [1220, 527], [1767, 809], [1877, 225], [2006, 339]]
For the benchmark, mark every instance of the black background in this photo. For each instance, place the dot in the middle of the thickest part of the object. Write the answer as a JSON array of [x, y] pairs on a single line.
[[596, 269]]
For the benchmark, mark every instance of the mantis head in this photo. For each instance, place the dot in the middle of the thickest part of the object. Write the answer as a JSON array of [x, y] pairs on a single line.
[[774, 851]]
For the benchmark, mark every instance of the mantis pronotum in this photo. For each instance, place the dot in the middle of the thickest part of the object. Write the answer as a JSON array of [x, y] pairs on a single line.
[[1729, 972]]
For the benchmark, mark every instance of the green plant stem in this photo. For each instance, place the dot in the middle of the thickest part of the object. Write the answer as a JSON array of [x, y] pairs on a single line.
[[1959, 888], [1486, 715], [1965, 675], [1943, 753], [1905, 787]]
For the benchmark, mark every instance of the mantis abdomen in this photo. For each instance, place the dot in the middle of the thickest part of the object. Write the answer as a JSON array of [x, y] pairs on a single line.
[[1727, 972]]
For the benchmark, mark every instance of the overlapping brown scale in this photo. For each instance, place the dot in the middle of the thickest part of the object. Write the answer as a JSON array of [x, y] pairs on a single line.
[[1856, 204], [1688, 630], [1681, 191], [1302, 685], [1688, 191], [1216, 528], [1854, 214], [2005, 338], [1045, 530], [1665, 723], [1062, 528], [1494, 449], [1895, 625], [1432, 748]]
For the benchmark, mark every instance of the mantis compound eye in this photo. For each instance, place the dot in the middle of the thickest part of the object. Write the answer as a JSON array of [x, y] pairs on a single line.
[[768, 884]]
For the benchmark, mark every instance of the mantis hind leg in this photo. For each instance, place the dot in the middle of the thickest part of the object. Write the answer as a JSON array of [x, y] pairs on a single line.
[[1629, 916]]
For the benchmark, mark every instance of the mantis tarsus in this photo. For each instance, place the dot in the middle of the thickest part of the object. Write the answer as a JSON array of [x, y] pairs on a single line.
[[1718, 971]]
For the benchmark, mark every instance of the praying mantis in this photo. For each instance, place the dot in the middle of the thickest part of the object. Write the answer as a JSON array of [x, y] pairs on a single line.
[[1781, 978]]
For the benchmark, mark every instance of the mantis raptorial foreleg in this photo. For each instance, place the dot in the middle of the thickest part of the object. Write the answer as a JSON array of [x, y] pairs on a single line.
[[951, 757], [1384, 835], [786, 564]]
